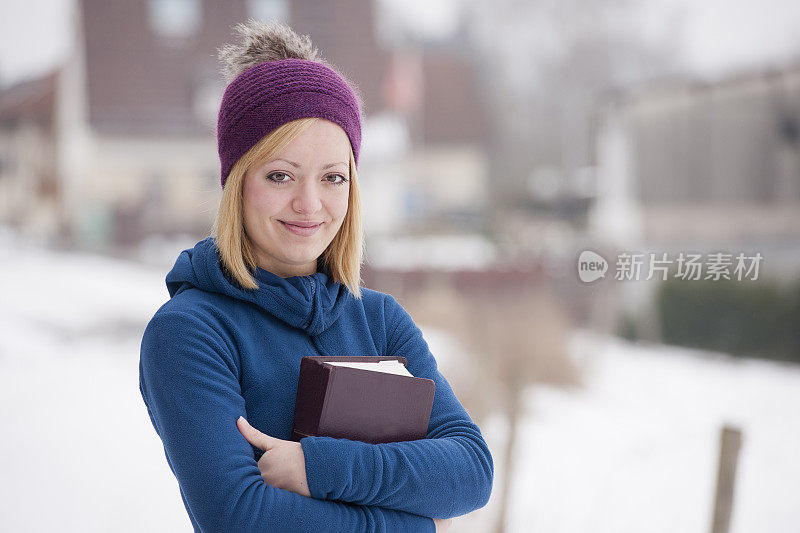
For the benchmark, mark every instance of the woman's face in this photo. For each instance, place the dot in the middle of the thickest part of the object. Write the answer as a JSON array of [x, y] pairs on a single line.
[[295, 202]]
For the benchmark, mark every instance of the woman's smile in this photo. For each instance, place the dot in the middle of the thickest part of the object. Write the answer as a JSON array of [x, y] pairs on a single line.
[[301, 228]]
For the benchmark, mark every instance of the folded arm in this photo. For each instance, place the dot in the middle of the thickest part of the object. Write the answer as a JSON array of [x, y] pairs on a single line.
[[188, 380], [449, 473]]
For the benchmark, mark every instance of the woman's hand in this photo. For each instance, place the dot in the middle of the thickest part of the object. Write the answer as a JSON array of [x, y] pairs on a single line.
[[283, 464], [442, 524]]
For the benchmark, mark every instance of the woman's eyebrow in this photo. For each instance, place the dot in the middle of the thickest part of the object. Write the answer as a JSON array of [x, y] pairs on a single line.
[[297, 165]]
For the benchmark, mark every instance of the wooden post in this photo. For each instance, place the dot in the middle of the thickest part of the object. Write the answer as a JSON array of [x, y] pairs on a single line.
[[730, 442]]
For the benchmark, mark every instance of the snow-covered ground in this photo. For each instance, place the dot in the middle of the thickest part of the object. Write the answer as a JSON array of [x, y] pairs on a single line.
[[635, 451]]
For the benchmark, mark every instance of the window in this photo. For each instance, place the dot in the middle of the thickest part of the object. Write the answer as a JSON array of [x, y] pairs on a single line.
[[268, 10], [175, 18]]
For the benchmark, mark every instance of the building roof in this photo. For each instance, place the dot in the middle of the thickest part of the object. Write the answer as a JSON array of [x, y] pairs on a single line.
[[143, 82], [453, 110], [31, 99]]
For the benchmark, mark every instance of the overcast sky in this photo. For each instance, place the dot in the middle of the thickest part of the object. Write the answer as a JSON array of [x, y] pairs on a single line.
[[718, 35]]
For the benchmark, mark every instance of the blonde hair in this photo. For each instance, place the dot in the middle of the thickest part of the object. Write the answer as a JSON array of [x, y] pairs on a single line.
[[342, 257]]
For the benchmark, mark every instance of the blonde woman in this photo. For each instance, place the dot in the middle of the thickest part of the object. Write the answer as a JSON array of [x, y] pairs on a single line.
[[279, 279]]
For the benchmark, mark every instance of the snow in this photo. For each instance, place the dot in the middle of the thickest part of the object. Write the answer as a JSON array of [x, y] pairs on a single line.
[[635, 450], [77, 442]]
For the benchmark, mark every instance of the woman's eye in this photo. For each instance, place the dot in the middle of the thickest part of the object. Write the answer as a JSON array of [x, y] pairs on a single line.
[[272, 177], [337, 179]]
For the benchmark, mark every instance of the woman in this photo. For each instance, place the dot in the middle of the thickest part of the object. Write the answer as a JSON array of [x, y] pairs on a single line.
[[277, 280]]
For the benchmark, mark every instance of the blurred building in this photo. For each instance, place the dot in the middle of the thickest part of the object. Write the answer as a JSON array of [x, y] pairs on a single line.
[[706, 166], [436, 178], [119, 142], [132, 119], [29, 186]]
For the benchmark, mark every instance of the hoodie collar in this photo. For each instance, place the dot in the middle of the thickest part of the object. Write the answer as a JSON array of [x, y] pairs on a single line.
[[311, 303]]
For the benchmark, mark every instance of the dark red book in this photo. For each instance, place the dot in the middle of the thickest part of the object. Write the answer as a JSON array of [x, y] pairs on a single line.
[[375, 400]]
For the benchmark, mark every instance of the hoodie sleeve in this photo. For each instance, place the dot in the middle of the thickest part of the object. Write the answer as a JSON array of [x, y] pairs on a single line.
[[447, 474], [188, 378]]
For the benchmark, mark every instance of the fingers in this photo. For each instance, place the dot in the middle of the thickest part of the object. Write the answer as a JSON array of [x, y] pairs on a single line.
[[258, 439]]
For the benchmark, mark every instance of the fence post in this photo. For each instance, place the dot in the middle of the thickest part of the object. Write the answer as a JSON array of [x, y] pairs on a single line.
[[730, 442]]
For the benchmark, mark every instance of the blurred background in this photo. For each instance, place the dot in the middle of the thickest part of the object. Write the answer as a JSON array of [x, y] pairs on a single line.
[[502, 140]]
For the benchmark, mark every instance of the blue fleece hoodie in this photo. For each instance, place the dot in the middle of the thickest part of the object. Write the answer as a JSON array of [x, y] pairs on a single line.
[[214, 352]]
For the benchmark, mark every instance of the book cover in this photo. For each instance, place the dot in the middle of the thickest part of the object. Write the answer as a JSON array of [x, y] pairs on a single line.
[[355, 403]]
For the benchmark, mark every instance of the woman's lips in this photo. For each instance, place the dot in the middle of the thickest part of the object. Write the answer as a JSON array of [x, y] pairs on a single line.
[[298, 230]]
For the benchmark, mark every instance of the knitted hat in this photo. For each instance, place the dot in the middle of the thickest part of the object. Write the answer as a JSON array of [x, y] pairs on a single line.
[[275, 77]]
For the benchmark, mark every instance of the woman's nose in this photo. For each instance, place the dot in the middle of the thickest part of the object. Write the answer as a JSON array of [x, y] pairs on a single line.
[[307, 199]]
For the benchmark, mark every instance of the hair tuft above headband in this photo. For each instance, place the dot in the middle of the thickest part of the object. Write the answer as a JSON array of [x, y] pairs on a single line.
[[263, 42]]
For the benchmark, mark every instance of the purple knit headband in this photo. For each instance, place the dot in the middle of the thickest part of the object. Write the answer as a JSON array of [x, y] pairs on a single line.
[[271, 94]]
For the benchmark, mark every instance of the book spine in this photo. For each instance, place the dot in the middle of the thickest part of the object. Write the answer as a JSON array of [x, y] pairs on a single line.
[[324, 421], [311, 388]]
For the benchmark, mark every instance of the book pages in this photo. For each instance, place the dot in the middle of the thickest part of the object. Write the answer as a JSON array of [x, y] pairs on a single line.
[[389, 366]]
